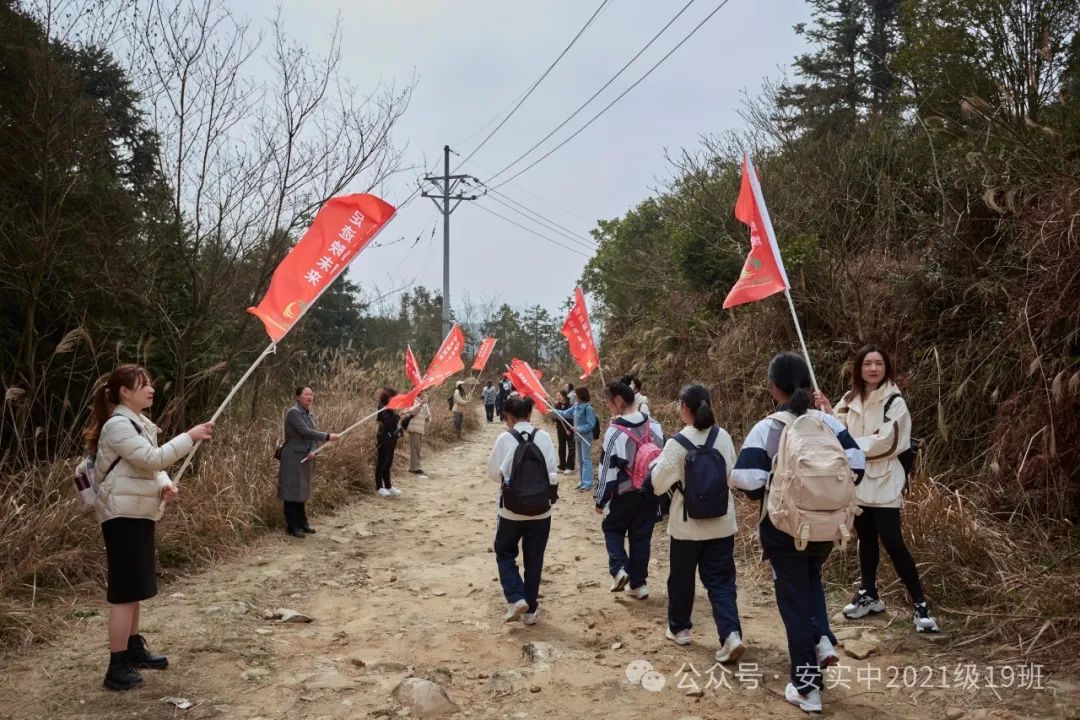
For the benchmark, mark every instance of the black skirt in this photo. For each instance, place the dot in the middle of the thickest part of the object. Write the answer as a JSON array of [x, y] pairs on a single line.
[[129, 547]]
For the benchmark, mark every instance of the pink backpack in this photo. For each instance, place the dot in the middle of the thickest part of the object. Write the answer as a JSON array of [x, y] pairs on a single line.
[[647, 452]]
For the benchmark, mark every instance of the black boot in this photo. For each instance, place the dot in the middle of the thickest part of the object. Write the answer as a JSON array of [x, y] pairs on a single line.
[[304, 525], [296, 532], [120, 675], [139, 655]]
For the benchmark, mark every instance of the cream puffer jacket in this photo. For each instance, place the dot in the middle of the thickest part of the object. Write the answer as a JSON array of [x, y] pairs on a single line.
[[133, 488], [882, 439]]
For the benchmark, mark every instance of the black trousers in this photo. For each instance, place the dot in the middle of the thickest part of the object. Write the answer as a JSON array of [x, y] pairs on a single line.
[[884, 524], [532, 536], [800, 596], [567, 451], [295, 515], [490, 410], [714, 561], [384, 461]]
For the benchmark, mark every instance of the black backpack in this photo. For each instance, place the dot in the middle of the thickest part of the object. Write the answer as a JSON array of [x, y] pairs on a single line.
[[704, 485], [596, 429], [527, 491], [450, 402], [910, 454]]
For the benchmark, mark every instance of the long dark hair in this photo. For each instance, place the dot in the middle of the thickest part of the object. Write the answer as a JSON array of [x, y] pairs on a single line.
[[791, 375], [621, 390], [696, 397], [583, 394], [384, 396], [519, 408], [107, 397], [857, 382]]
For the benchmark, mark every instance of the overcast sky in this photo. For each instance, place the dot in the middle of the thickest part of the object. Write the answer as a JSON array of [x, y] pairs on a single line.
[[474, 58]]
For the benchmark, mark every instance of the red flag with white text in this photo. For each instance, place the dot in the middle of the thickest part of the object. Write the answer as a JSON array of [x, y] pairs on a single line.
[[412, 369], [342, 228], [447, 360], [578, 333], [527, 382], [763, 273], [483, 354]]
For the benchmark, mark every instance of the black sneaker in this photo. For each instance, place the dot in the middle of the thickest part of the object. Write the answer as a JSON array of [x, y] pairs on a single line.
[[121, 676], [924, 621], [296, 532], [308, 529], [139, 656], [863, 604]]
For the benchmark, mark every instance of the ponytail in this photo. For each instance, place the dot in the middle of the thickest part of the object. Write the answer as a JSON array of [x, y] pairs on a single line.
[[107, 396], [696, 398], [791, 376]]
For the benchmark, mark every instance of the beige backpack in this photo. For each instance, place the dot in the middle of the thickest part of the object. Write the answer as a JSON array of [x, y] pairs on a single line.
[[812, 491]]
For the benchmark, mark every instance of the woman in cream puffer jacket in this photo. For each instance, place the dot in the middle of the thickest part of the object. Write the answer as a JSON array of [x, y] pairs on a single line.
[[132, 492], [883, 436]]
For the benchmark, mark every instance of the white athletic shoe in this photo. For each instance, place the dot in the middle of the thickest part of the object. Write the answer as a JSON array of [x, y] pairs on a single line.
[[862, 605], [826, 653], [641, 593], [383, 492], [680, 638], [731, 650], [924, 620], [811, 702], [514, 611], [530, 618], [395, 491], [620, 581]]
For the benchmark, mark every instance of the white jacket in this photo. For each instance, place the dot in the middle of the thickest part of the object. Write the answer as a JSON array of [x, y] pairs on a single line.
[[133, 487], [882, 440], [670, 471]]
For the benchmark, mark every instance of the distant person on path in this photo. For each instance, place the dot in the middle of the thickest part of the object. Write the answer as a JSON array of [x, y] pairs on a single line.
[[523, 463], [570, 393], [875, 413], [461, 402], [417, 428], [629, 511], [800, 595], [641, 403], [695, 467], [388, 430], [297, 463], [490, 392], [583, 418], [500, 397], [565, 435], [133, 490]]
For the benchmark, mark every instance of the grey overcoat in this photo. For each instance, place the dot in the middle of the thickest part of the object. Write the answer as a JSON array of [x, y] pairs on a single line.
[[301, 437]]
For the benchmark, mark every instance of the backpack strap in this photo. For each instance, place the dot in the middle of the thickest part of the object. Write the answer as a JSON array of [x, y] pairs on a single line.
[[118, 458], [888, 404], [522, 438], [684, 441], [639, 441]]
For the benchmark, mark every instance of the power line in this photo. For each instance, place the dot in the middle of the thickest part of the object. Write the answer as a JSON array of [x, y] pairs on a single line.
[[535, 84], [538, 219], [604, 87], [619, 97], [529, 230]]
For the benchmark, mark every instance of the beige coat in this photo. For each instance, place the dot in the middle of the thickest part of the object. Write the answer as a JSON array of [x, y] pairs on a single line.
[[668, 472], [133, 488], [419, 421], [461, 401], [882, 440]]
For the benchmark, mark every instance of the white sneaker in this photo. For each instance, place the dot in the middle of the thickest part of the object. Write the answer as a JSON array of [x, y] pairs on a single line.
[[530, 618], [395, 491], [810, 702], [514, 611], [620, 581], [641, 593], [862, 605], [826, 653], [924, 620], [732, 649], [680, 638], [383, 492]]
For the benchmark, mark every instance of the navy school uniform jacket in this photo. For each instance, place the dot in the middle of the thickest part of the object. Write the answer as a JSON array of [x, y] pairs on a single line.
[[753, 469]]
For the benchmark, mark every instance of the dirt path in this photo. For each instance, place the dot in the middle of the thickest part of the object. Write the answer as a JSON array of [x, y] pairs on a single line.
[[407, 586]]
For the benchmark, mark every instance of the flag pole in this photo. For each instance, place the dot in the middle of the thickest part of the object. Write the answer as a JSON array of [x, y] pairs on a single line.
[[272, 347], [342, 434], [802, 342], [559, 417]]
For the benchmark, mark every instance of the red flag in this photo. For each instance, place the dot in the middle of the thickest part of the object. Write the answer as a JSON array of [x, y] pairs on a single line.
[[404, 401], [447, 361], [578, 333], [341, 229], [483, 354], [412, 369], [527, 382], [763, 274]]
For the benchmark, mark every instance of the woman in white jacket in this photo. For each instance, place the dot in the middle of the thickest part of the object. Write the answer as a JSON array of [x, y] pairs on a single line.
[[875, 414], [133, 490]]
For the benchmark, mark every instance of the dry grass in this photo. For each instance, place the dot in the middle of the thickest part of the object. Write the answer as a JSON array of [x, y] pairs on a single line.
[[52, 553]]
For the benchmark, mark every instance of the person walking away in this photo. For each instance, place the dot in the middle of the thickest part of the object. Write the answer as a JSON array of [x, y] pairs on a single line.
[[522, 461], [297, 464], [417, 428], [796, 565], [583, 419], [875, 414], [567, 441], [490, 392], [695, 467], [504, 387], [631, 443], [460, 402], [388, 430], [132, 494]]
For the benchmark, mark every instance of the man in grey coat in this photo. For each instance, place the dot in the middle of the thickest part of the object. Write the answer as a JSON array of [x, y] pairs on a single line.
[[294, 474]]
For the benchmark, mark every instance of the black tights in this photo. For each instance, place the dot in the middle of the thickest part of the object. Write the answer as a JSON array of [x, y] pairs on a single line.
[[295, 515], [884, 524]]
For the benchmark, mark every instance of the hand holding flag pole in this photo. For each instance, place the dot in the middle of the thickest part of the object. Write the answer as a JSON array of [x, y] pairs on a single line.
[[340, 435], [526, 382]]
